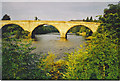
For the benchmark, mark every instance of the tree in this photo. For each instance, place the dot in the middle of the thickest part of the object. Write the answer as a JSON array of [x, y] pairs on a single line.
[[87, 20], [6, 17], [18, 61], [95, 20], [36, 18], [83, 19], [104, 47], [14, 30], [91, 19], [110, 21], [102, 61]]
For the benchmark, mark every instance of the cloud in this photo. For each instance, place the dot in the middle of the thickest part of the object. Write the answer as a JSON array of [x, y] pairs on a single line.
[[53, 10], [59, 0]]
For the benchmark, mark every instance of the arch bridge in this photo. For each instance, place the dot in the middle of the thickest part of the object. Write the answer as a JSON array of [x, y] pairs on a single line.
[[62, 26]]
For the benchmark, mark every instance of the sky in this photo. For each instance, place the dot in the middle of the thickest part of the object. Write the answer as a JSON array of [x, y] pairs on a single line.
[[59, 11]]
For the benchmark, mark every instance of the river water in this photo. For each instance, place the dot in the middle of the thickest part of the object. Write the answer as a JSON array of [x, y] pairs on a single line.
[[52, 43]]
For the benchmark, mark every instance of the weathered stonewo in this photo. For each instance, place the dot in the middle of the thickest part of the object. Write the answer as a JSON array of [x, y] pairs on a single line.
[[62, 26]]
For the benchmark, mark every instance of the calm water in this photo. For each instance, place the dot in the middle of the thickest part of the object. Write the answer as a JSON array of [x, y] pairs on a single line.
[[52, 43]]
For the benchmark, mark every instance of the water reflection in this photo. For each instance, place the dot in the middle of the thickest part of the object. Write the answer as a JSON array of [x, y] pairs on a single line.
[[63, 39]]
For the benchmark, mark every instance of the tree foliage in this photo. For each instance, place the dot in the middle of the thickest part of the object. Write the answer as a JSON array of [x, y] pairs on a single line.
[[13, 30], [98, 60], [110, 22], [17, 60], [6, 17], [81, 29], [87, 20], [43, 30], [36, 18], [91, 19]]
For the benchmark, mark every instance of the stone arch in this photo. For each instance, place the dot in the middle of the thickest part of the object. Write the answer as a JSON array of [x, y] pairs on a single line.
[[11, 24], [41, 25], [75, 26], [5, 29]]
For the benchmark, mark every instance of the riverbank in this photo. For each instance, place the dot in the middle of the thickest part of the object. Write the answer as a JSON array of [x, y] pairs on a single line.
[[84, 35]]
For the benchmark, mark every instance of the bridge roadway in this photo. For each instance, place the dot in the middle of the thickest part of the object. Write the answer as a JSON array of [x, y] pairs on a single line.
[[62, 26]]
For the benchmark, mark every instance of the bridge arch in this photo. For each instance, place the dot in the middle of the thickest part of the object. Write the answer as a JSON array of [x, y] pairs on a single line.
[[4, 27], [7, 24], [79, 29], [10, 28], [40, 25]]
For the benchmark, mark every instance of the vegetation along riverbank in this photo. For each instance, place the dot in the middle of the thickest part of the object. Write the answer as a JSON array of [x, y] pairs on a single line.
[[99, 61]]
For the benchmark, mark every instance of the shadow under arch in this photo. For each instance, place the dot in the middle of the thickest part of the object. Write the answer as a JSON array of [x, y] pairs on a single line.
[[78, 28], [7, 28], [43, 29]]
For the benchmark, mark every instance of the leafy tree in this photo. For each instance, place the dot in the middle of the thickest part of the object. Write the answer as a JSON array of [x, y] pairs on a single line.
[[104, 48], [110, 22], [102, 61], [112, 9], [43, 30], [81, 29], [36, 18], [75, 29], [6, 17], [91, 19], [17, 60], [95, 20], [87, 20], [87, 30], [14, 30], [83, 19], [77, 66]]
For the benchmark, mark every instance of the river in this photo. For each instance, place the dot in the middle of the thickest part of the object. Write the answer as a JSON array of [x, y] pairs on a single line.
[[52, 43]]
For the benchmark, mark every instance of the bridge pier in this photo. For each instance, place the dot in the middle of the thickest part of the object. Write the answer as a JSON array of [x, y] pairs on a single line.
[[63, 35]]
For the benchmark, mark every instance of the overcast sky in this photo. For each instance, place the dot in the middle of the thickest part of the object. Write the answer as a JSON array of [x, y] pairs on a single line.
[[61, 11]]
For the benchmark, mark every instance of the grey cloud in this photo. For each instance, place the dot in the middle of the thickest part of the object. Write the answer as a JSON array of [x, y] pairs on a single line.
[[52, 10]]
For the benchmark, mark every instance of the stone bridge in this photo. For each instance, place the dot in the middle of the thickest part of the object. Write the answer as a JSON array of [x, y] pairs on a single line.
[[62, 26]]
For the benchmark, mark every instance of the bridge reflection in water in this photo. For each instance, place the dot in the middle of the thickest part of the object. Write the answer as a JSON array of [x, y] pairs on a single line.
[[63, 39]]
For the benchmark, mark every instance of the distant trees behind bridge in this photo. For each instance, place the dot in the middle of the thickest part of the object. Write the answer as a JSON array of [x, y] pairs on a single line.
[[90, 19], [6, 17], [81, 29], [43, 29], [13, 30], [36, 18]]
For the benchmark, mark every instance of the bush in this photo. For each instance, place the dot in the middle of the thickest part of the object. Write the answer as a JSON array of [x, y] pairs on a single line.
[[18, 62]]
